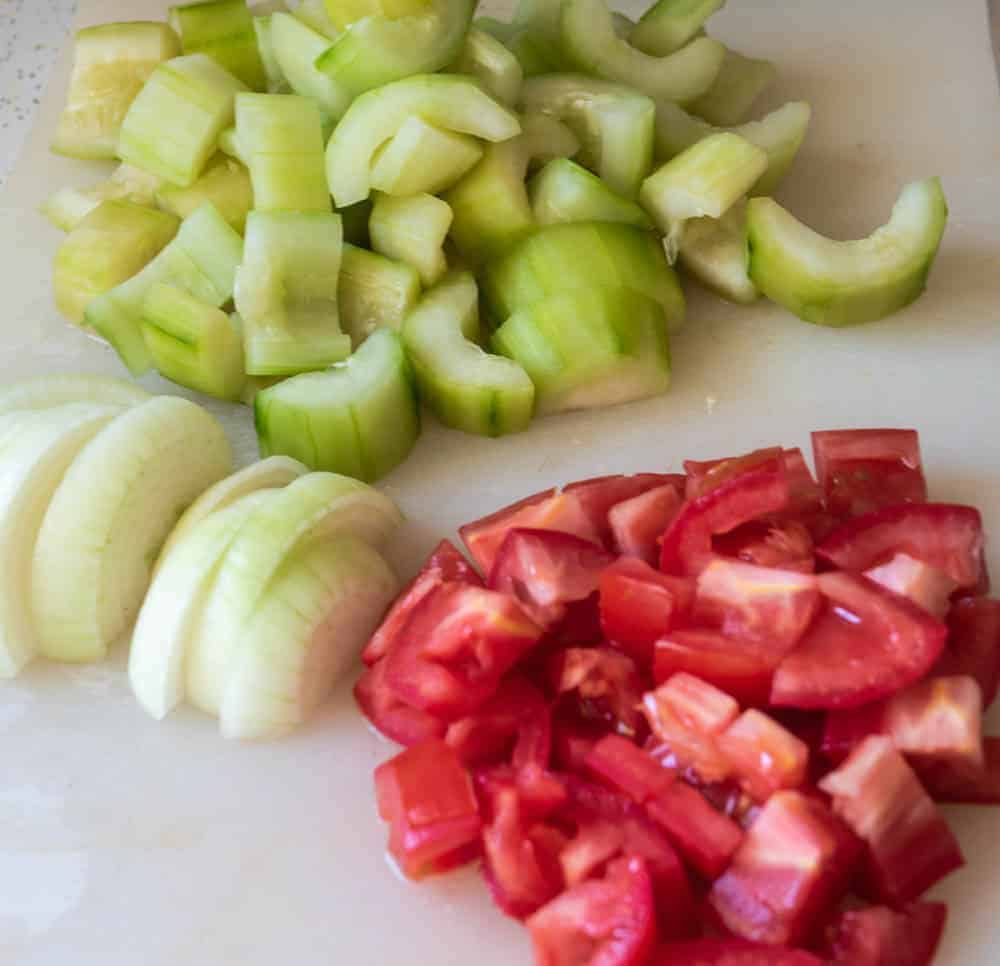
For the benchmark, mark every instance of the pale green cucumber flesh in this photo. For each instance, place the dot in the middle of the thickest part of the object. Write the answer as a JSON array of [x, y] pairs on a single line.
[[224, 30], [374, 292], [563, 191], [716, 253], [492, 64], [412, 230], [296, 47], [225, 185], [740, 82], [669, 24], [420, 158]]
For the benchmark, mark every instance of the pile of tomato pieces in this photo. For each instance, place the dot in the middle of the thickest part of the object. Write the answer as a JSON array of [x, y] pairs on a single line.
[[700, 718]]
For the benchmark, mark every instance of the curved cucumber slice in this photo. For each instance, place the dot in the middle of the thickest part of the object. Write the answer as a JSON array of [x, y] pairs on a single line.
[[492, 64], [716, 252], [67, 207], [740, 82], [669, 24], [412, 230], [847, 282], [276, 83], [563, 191], [589, 39], [296, 47], [225, 185], [224, 30], [615, 351], [58, 389], [378, 50], [110, 65], [110, 244], [467, 388], [315, 617], [422, 158], [312, 13], [110, 515], [446, 101], [374, 292], [281, 138], [343, 13], [358, 418]]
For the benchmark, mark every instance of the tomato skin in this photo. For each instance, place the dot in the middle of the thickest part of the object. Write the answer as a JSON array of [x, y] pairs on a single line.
[[879, 936], [703, 476], [973, 646], [628, 769], [605, 681], [963, 784], [638, 524], [730, 952], [390, 715], [598, 496], [764, 755]]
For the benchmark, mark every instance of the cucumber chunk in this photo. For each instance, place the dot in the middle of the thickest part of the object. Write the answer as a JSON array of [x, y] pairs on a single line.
[[224, 30], [492, 64], [67, 207], [58, 389], [192, 343], [286, 292], [312, 13], [110, 65], [109, 245], [374, 292], [412, 230], [589, 347], [740, 82], [296, 47], [342, 13], [447, 101], [229, 144], [422, 158], [670, 24], [841, 283], [715, 251], [359, 418], [173, 125], [564, 191], [465, 387], [225, 185], [281, 137], [275, 76]]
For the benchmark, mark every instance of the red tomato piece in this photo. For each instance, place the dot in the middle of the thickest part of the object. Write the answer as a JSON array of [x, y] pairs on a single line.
[[392, 716], [765, 757], [443, 565], [973, 646], [879, 936], [639, 605], [598, 496], [730, 952], [574, 737], [926, 586], [607, 682], [594, 844], [628, 769], [784, 544], [910, 846], [456, 647], [707, 475], [544, 571], [805, 495], [638, 524], [793, 864], [601, 922], [426, 796], [942, 535], [958, 782], [867, 643]]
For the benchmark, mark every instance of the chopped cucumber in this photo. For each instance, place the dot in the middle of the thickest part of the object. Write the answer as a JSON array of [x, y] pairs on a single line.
[[173, 125], [276, 83], [281, 137], [225, 185], [224, 30], [715, 251], [492, 64], [358, 418], [343, 13], [374, 292], [192, 343], [589, 347], [110, 65], [201, 259], [110, 244], [420, 157], [229, 144], [589, 40], [740, 82], [68, 206], [847, 282], [58, 389], [564, 191], [446, 101], [296, 47], [466, 388], [378, 50], [312, 13], [286, 292], [669, 24], [412, 230], [498, 29]]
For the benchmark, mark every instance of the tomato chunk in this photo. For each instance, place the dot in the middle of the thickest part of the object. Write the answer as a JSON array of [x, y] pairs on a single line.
[[390, 714], [607, 682], [926, 586], [707, 475], [426, 796], [943, 535], [795, 862], [765, 757], [963, 784], [867, 643], [910, 846], [638, 524], [601, 494], [879, 936], [730, 952], [784, 544], [973, 646], [628, 769]]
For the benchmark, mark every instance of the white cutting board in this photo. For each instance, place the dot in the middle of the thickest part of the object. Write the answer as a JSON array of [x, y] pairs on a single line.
[[124, 841]]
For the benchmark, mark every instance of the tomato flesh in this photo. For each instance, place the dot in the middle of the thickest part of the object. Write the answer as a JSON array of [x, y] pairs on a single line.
[[605, 681], [764, 756], [628, 769], [784, 544], [730, 952], [879, 936], [973, 646], [926, 586], [638, 524], [392, 716], [963, 784], [601, 494]]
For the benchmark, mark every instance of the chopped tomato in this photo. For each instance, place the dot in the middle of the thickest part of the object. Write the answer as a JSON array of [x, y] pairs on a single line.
[[959, 782], [390, 714], [973, 646], [942, 535], [785, 544], [426, 796], [910, 846], [707, 475], [443, 565], [574, 737], [867, 643], [765, 757], [607, 682], [794, 863], [628, 769], [600, 922], [638, 524], [457, 645], [926, 586], [730, 952], [879, 936], [805, 497], [598, 496], [639, 605]]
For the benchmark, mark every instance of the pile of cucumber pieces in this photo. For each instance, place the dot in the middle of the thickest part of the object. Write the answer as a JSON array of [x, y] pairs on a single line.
[[339, 210]]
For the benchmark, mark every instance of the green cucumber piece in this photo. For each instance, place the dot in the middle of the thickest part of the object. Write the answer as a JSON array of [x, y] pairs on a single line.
[[109, 245], [343, 13], [281, 137], [201, 259], [225, 185], [492, 64], [230, 145], [374, 292], [275, 76], [296, 47], [359, 418], [715, 251], [564, 191], [67, 207], [446, 101], [580, 255], [740, 82], [589, 40], [173, 125], [412, 230], [498, 29], [466, 388], [110, 65], [420, 157], [224, 30], [192, 343], [670, 24], [312, 13], [840, 283], [586, 348], [286, 292]]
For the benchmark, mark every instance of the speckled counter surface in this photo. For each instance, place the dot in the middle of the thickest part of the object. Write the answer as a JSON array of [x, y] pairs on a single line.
[[31, 35]]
